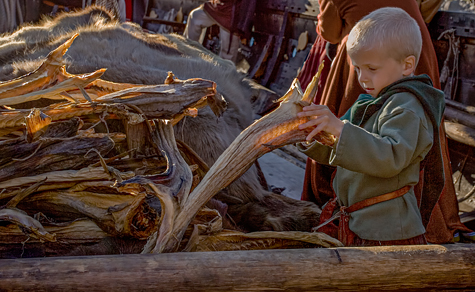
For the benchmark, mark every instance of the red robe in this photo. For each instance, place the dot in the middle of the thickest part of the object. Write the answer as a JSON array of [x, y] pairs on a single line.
[[223, 13], [316, 56], [341, 90]]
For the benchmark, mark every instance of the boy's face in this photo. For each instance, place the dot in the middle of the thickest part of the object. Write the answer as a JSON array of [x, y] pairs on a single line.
[[377, 70]]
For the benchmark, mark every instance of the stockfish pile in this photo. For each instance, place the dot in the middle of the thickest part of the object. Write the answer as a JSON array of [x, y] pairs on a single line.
[[86, 162]]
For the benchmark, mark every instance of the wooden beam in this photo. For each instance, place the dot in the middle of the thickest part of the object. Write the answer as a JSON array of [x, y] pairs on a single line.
[[460, 133], [467, 217], [460, 106], [461, 117], [393, 268], [261, 56], [277, 47]]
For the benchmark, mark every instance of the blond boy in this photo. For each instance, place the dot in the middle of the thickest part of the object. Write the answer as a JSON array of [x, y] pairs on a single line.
[[384, 136]]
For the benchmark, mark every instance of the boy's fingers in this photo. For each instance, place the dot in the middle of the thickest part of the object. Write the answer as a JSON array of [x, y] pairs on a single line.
[[308, 124], [316, 121], [314, 112], [316, 107], [303, 114], [315, 131], [312, 134]]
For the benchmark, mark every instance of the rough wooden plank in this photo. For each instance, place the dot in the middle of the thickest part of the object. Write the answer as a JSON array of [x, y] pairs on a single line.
[[277, 48], [461, 117], [262, 56], [417, 268], [460, 133], [460, 106]]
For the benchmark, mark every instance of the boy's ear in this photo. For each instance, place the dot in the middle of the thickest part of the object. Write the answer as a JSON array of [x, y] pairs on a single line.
[[409, 65]]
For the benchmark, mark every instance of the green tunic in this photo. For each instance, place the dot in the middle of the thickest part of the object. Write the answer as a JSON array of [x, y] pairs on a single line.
[[379, 156]]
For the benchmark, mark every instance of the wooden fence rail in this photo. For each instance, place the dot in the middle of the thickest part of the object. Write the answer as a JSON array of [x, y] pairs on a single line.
[[422, 268]]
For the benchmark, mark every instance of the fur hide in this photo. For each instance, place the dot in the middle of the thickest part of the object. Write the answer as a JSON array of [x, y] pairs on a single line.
[[132, 56]]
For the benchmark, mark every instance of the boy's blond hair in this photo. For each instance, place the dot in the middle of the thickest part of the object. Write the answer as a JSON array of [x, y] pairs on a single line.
[[391, 29]]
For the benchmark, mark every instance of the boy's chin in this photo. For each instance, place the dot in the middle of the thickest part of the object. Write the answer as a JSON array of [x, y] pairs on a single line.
[[371, 92]]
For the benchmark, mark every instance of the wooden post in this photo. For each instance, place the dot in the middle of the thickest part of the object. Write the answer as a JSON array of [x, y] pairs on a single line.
[[393, 268]]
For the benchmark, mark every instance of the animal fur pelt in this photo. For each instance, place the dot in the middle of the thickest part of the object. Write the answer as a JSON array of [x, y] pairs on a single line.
[[132, 56]]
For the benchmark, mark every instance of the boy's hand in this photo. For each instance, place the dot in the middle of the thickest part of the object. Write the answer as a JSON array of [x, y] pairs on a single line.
[[322, 119]]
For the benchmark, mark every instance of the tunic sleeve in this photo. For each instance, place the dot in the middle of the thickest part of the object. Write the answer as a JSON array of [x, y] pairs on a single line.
[[317, 151], [331, 26], [403, 137]]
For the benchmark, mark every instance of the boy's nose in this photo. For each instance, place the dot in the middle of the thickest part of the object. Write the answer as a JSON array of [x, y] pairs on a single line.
[[362, 76]]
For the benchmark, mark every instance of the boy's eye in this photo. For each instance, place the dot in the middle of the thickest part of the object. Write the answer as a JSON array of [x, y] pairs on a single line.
[[372, 69]]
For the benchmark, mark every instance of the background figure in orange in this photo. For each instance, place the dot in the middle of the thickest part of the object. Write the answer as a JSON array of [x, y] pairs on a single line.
[[341, 90]]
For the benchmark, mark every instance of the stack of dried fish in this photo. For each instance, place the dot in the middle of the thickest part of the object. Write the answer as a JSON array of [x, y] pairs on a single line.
[[83, 159], [60, 162]]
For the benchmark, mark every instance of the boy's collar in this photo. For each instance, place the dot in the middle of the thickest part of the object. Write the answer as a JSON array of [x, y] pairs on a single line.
[[423, 78], [366, 105]]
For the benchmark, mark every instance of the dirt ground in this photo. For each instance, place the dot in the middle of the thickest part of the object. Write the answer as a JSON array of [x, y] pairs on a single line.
[[280, 173]]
